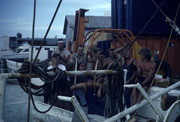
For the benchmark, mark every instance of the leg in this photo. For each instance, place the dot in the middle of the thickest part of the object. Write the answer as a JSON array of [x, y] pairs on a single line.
[[140, 97], [134, 96], [127, 97]]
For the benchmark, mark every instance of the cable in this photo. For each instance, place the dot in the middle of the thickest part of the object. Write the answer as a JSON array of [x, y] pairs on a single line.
[[166, 48], [57, 8], [32, 43]]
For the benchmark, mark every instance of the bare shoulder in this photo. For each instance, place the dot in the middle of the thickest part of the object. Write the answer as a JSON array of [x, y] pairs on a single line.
[[138, 62]]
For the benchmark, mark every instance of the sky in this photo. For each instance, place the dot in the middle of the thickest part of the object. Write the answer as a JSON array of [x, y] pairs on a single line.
[[16, 15]]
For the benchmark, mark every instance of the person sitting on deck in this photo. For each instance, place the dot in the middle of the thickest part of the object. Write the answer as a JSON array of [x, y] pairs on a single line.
[[145, 73], [79, 87], [59, 87], [55, 63], [94, 96], [93, 93]]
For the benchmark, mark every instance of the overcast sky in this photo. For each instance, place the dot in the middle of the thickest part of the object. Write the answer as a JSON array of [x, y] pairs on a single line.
[[16, 15]]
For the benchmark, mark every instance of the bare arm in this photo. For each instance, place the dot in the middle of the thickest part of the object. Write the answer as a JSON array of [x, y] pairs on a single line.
[[79, 85], [99, 92], [134, 72]]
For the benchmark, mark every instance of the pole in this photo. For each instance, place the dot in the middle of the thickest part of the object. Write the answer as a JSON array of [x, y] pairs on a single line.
[[69, 73], [2, 97]]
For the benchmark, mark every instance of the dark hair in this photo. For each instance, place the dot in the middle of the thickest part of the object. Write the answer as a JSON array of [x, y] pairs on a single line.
[[79, 64], [82, 62], [146, 52], [80, 45], [60, 39]]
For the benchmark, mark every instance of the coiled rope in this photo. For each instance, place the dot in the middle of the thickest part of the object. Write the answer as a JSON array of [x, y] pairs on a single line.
[[55, 81], [114, 91]]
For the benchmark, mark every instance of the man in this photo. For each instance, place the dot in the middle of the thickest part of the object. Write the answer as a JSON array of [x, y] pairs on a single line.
[[56, 62], [62, 51], [113, 57], [130, 66], [79, 56], [79, 87], [145, 73], [98, 60]]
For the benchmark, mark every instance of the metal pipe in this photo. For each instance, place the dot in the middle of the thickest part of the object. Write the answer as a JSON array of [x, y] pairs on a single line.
[[77, 106], [2, 97], [143, 92], [69, 73], [135, 107], [90, 72]]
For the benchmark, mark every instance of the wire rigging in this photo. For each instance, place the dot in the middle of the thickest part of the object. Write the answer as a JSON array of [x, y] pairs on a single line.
[[166, 48], [32, 44], [49, 27]]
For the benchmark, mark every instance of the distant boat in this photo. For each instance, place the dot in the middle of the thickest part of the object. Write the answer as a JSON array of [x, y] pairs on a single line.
[[13, 66], [21, 53]]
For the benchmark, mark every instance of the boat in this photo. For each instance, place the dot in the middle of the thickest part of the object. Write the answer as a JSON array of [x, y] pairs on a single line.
[[20, 54]]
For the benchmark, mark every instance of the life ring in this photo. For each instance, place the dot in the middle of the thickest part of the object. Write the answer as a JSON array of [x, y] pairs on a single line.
[[173, 114]]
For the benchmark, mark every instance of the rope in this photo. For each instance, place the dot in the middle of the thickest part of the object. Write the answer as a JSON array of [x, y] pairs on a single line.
[[57, 78], [166, 48], [32, 43], [37, 108], [114, 91], [57, 8]]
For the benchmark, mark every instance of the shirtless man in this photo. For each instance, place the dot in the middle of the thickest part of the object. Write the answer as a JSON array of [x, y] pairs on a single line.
[[145, 73], [62, 51]]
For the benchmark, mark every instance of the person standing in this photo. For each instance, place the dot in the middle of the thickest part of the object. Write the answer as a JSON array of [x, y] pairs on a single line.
[[130, 66], [145, 73], [78, 57], [62, 51]]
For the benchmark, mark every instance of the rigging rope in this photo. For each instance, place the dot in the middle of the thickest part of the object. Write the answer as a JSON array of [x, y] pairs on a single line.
[[23, 86], [56, 80], [49, 27], [114, 91], [32, 44], [166, 48]]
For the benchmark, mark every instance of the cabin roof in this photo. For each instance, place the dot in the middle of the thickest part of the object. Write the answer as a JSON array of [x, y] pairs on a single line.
[[95, 22]]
